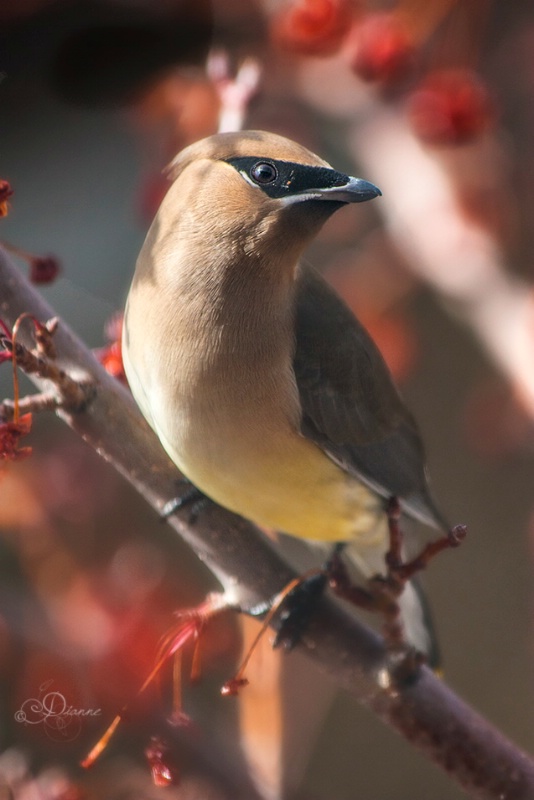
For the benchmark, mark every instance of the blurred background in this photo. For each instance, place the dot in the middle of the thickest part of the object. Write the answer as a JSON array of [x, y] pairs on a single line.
[[433, 101]]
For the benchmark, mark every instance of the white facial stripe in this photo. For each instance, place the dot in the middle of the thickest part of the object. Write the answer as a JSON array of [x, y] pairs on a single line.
[[248, 179], [299, 198]]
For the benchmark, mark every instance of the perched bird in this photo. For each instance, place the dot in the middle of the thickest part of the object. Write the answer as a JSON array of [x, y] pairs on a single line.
[[264, 389]]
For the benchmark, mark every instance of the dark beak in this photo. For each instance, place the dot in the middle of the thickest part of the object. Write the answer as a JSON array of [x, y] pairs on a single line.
[[355, 190]]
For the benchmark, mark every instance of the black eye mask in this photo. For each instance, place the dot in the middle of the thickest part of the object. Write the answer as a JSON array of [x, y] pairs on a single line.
[[279, 179]]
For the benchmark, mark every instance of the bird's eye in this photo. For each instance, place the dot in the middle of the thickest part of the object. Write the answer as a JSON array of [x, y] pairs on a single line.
[[264, 172]]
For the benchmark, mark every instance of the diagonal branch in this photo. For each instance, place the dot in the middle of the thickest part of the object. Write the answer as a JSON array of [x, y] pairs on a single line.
[[426, 712]]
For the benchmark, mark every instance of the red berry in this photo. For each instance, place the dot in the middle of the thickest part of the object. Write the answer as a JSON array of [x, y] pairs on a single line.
[[5, 193], [111, 359], [313, 27], [44, 269], [110, 356], [381, 48], [451, 107]]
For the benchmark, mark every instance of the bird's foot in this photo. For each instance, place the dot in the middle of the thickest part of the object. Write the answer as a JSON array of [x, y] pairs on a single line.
[[402, 571], [192, 497], [381, 596], [298, 608], [291, 610], [382, 592], [300, 603]]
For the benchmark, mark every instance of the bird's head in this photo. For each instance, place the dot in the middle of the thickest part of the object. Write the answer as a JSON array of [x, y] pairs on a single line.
[[254, 186]]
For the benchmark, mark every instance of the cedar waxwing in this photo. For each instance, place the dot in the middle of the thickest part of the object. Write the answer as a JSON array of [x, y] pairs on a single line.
[[262, 386]]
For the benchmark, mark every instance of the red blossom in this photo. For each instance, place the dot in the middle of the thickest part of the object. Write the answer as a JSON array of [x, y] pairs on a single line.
[[187, 629], [44, 269], [110, 356], [165, 771], [5, 336], [111, 359], [10, 435], [313, 27], [233, 686], [5, 193], [381, 48], [451, 107]]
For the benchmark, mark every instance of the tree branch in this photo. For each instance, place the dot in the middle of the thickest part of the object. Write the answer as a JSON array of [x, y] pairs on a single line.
[[425, 711]]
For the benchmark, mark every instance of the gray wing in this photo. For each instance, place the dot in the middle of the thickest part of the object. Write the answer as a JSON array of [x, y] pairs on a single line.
[[350, 406]]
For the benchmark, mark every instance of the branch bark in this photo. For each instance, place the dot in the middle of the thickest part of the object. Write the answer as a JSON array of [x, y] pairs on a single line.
[[426, 712]]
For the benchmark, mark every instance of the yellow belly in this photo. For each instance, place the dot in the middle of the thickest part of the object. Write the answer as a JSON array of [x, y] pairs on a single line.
[[285, 483], [239, 443]]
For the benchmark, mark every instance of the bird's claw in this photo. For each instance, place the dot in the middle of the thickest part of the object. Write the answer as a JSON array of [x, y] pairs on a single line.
[[297, 610]]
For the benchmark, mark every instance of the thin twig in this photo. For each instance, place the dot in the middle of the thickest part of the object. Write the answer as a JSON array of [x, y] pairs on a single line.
[[72, 393], [32, 403]]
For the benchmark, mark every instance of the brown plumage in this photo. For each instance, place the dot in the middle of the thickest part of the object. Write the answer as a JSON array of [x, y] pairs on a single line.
[[262, 386]]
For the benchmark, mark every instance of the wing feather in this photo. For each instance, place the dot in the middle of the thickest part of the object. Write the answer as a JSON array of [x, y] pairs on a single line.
[[350, 405]]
